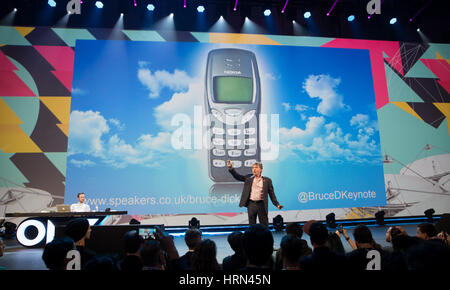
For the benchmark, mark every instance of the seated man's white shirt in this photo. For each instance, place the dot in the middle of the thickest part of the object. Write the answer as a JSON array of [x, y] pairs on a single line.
[[80, 207]]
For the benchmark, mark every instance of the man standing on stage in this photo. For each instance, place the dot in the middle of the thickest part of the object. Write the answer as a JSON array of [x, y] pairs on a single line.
[[255, 194]]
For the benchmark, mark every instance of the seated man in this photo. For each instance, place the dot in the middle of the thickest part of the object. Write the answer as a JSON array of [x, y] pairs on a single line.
[[80, 206]]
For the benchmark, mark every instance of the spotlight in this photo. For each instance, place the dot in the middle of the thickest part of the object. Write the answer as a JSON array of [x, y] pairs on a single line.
[[171, 14], [51, 3], [284, 8], [99, 4], [418, 29], [267, 12], [15, 9], [429, 214], [393, 21], [307, 14], [351, 18], [331, 220], [121, 14], [200, 9], [150, 7], [278, 223], [379, 216], [194, 223]]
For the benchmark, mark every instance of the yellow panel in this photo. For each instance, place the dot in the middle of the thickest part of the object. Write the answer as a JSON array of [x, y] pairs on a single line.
[[438, 56], [64, 128], [404, 106], [358, 211], [445, 109], [352, 215], [14, 140], [241, 38], [7, 116], [59, 106], [24, 30]]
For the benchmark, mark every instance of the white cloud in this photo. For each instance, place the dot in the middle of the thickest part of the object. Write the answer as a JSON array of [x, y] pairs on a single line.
[[78, 91], [320, 142], [324, 87], [359, 120], [145, 151], [160, 79], [180, 103], [312, 128], [301, 108], [85, 132], [116, 124], [82, 163], [286, 106], [88, 136], [143, 63], [270, 77]]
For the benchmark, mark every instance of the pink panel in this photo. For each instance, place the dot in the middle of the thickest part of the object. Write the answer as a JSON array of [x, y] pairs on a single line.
[[227, 214], [60, 57], [441, 69], [12, 86], [5, 63], [65, 77], [376, 49]]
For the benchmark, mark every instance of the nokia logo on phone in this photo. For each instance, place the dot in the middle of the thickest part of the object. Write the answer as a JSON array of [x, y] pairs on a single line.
[[232, 72]]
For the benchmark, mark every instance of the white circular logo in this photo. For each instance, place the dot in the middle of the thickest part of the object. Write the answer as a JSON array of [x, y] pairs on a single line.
[[303, 197]]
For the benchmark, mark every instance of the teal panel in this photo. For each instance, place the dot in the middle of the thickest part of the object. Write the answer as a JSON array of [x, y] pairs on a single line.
[[403, 137], [201, 36], [25, 76], [419, 70], [27, 109], [441, 48], [69, 35], [300, 41], [143, 35], [9, 173], [59, 159], [398, 90], [10, 36]]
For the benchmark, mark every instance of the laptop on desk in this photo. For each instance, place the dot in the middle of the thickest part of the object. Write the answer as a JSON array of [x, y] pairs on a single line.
[[62, 208]]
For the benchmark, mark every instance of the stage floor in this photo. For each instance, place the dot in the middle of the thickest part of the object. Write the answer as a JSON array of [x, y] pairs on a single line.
[[16, 257]]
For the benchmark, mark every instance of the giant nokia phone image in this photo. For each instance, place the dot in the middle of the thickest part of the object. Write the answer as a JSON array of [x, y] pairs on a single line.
[[233, 104]]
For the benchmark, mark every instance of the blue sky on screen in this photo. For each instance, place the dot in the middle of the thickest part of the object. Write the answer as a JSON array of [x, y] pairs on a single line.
[[125, 94]]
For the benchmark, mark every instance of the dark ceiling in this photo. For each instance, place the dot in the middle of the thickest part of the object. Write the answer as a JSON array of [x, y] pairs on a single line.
[[431, 16]]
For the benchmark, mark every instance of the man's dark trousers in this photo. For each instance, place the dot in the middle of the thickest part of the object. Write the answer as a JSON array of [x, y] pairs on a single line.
[[257, 208]]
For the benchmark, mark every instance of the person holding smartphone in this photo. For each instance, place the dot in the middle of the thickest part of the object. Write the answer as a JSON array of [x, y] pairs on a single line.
[[257, 189]]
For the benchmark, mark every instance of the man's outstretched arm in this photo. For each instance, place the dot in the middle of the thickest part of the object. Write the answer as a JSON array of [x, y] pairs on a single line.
[[234, 173]]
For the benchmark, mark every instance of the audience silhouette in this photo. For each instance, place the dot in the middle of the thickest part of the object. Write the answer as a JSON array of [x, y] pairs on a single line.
[[254, 250]]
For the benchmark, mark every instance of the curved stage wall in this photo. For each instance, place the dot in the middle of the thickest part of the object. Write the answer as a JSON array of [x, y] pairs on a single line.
[[346, 126]]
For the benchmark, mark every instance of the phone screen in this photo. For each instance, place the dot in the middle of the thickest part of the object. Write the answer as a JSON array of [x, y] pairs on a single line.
[[147, 233]]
